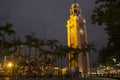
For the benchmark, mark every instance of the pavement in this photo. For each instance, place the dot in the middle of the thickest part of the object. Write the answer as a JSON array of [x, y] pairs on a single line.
[[7, 78]]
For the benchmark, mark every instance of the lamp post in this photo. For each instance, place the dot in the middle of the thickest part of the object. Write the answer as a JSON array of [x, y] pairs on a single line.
[[115, 61], [10, 67]]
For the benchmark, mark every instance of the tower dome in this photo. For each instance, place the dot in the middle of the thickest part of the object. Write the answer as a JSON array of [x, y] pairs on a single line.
[[75, 9], [75, 4]]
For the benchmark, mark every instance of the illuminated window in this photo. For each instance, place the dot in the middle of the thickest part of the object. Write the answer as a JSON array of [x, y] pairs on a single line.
[[81, 31]]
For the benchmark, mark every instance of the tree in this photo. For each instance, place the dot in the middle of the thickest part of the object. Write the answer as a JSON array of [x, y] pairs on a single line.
[[61, 52], [16, 44], [108, 12], [5, 30], [76, 52], [29, 42], [52, 44], [104, 58], [85, 49], [16, 49], [37, 43], [69, 51], [7, 51]]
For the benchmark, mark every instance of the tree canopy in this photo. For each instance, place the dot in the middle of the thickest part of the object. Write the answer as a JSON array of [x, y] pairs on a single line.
[[107, 12]]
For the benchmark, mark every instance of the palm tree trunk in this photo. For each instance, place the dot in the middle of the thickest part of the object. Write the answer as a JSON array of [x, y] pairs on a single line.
[[2, 48], [29, 66], [77, 64], [35, 52], [5, 57], [25, 51], [69, 64], [85, 64], [61, 66], [77, 70]]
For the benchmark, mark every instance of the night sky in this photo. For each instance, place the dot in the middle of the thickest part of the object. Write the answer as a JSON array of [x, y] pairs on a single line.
[[47, 18]]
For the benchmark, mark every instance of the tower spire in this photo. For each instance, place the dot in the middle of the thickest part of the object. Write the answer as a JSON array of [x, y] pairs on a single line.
[[74, 1], [75, 9]]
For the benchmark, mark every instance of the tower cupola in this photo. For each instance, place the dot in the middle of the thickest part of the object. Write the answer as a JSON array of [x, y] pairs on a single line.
[[75, 9]]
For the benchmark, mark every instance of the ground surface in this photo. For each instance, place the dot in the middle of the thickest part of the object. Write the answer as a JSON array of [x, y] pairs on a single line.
[[7, 78]]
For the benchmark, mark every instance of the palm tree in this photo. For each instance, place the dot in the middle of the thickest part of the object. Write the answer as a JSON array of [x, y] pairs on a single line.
[[53, 44], [6, 52], [17, 44], [61, 52], [45, 58], [90, 46], [85, 49], [5, 30], [29, 43], [16, 52], [76, 52], [36, 45]]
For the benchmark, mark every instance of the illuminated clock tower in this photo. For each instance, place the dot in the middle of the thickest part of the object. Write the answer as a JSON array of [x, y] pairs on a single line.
[[77, 37]]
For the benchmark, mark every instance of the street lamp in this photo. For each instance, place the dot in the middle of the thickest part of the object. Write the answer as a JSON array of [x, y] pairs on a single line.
[[10, 64], [10, 67]]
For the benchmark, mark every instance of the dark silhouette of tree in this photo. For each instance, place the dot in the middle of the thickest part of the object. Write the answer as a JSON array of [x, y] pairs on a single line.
[[107, 12], [104, 58], [85, 49], [7, 51], [4, 31], [61, 52], [76, 52], [29, 42], [52, 43]]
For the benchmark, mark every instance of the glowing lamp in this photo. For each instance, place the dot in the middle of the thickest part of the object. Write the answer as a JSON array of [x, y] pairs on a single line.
[[9, 64]]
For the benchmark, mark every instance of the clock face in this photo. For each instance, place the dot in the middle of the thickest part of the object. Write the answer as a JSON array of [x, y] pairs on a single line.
[[81, 31]]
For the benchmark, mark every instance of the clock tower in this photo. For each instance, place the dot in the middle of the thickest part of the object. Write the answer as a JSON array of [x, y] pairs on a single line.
[[77, 37]]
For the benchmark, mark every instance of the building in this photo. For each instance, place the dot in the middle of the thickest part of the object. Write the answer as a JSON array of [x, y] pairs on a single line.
[[77, 37]]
